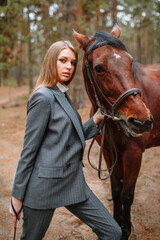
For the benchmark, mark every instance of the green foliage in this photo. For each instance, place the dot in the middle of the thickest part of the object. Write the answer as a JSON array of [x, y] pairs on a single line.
[[10, 82], [29, 27]]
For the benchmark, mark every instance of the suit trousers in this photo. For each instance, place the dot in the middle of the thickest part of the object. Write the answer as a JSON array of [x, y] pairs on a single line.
[[92, 212]]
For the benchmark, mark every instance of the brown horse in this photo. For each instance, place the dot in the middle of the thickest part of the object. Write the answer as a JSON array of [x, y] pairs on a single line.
[[130, 94]]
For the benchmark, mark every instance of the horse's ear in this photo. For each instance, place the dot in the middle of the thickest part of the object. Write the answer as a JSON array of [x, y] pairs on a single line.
[[116, 31], [83, 40]]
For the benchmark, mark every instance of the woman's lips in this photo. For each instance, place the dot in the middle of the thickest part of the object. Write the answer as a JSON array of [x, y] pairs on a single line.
[[66, 74]]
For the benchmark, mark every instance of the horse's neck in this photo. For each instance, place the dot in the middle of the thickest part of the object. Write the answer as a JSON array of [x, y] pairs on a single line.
[[144, 75], [140, 74], [147, 80]]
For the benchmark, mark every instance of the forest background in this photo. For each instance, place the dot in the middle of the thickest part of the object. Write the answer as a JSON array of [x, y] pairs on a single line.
[[29, 27]]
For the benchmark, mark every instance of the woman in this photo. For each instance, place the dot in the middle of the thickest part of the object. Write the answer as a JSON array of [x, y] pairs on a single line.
[[49, 172]]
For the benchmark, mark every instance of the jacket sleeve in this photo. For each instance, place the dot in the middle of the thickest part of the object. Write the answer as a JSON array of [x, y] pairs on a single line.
[[89, 129], [38, 111]]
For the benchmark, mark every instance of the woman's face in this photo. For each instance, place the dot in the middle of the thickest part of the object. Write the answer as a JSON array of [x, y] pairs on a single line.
[[65, 65]]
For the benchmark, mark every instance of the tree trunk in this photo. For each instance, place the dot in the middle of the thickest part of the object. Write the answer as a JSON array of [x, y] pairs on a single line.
[[76, 90], [45, 15], [69, 17], [139, 51], [114, 12], [145, 50], [1, 82], [30, 68], [104, 18], [139, 34], [97, 18]]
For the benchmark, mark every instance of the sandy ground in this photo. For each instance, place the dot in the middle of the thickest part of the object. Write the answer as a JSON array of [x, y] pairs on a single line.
[[64, 226]]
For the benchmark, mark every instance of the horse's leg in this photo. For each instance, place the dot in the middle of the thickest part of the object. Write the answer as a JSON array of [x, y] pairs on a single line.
[[131, 163], [116, 186]]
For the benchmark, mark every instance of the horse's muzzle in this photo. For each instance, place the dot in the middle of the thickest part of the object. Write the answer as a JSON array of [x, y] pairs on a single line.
[[140, 126], [135, 127]]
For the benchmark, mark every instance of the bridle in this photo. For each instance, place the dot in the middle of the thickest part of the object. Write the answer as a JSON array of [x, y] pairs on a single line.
[[108, 113], [111, 107]]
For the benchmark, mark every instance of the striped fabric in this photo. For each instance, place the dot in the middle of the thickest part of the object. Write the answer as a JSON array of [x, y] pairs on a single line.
[[50, 172]]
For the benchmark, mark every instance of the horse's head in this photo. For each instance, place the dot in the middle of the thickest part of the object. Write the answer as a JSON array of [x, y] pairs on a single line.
[[109, 81]]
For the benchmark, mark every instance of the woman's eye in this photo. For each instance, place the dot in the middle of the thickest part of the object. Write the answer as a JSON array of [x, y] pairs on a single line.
[[73, 63], [99, 69], [62, 60]]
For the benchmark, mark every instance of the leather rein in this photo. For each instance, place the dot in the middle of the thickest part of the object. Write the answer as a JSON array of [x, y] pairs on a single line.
[[108, 113]]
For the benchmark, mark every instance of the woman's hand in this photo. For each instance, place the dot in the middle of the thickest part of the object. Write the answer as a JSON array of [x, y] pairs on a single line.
[[17, 203], [98, 116]]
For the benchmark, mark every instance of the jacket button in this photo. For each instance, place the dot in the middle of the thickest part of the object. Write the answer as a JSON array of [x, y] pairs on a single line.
[[68, 165]]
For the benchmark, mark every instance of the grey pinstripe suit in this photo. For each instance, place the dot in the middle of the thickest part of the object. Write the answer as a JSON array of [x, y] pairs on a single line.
[[49, 172]]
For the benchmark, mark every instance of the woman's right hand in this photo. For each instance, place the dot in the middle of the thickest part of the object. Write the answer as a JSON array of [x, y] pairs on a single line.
[[17, 203]]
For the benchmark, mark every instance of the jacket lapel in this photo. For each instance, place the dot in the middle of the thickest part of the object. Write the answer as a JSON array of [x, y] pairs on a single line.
[[69, 108], [75, 110]]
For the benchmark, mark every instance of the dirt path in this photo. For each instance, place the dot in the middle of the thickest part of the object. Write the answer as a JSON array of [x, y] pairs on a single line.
[[64, 226], [9, 95]]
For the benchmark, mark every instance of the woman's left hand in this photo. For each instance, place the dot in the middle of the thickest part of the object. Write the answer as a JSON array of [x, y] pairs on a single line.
[[98, 116]]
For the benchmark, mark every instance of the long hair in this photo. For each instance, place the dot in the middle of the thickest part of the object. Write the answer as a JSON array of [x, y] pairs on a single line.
[[48, 74]]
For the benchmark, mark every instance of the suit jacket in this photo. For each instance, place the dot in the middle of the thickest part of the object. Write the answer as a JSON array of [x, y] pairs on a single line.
[[49, 172]]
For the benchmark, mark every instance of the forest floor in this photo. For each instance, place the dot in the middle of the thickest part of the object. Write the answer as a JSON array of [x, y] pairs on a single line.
[[65, 226]]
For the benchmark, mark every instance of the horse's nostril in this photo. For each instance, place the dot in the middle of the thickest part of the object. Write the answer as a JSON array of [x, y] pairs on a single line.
[[142, 126], [135, 123], [151, 118]]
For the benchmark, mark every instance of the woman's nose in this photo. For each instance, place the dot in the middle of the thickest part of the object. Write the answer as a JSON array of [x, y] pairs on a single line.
[[68, 66]]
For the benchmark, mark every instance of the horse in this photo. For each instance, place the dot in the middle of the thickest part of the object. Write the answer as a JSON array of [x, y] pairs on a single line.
[[128, 93]]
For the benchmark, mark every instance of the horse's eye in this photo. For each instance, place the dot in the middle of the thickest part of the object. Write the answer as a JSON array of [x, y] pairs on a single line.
[[99, 69]]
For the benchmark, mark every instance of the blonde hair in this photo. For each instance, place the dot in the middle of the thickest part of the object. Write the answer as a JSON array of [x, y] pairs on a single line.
[[48, 74]]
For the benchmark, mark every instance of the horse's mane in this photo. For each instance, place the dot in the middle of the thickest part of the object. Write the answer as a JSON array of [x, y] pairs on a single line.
[[110, 39]]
